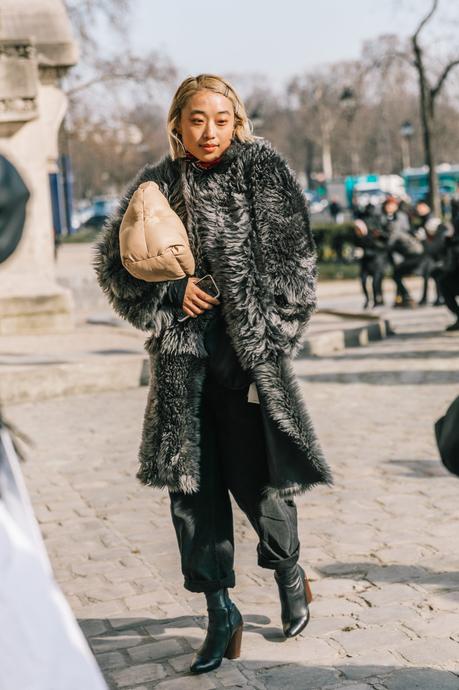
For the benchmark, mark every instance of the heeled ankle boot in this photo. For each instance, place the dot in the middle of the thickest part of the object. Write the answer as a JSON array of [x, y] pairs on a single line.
[[224, 633], [295, 595]]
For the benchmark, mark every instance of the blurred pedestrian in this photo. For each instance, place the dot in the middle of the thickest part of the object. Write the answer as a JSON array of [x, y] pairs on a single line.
[[335, 211], [405, 250], [223, 414], [372, 241], [454, 205], [449, 278], [431, 232]]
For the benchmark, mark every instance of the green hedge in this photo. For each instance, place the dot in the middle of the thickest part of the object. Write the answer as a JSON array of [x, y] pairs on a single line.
[[334, 241]]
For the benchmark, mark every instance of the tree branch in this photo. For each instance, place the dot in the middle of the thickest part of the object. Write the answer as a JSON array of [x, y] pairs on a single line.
[[427, 18], [442, 78]]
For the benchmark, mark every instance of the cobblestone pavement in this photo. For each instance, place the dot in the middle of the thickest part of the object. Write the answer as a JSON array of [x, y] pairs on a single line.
[[381, 546]]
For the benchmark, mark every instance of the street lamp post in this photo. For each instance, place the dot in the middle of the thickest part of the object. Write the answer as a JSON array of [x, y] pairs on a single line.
[[406, 133]]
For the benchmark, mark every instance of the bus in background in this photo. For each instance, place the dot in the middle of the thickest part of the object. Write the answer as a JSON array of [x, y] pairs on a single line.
[[416, 181]]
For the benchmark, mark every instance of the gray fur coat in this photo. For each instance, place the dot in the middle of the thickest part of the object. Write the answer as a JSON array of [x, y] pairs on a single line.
[[248, 225]]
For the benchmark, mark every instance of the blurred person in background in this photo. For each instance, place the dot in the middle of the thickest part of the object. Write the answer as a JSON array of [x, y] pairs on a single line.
[[431, 232], [335, 211], [449, 277], [454, 206], [405, 250], [372, 240]]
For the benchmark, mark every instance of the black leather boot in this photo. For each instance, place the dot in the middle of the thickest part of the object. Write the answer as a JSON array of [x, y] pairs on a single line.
[[295, 595], [224, 633]]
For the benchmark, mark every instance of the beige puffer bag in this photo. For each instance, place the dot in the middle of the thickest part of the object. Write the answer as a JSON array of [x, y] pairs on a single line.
[[153, 240]]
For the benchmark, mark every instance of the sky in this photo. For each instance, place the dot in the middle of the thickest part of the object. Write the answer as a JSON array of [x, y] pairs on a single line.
[[277, 38]]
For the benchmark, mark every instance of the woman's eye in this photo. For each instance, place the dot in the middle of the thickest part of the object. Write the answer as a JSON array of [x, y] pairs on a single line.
[[196, 122], [222, 122]]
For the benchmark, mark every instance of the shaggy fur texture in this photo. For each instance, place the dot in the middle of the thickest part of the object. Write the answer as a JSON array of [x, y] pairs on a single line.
[[248, 225]]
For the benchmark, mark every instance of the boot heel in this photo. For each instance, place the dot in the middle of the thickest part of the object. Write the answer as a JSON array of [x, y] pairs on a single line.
[[233, 651], [307, 590]]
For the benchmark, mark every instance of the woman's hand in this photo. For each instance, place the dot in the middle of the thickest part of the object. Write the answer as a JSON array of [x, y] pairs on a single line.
[[195, 300]]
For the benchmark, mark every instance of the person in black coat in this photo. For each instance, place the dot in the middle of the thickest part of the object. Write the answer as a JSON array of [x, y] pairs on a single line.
[[371, 239], [432, 233], [449, 277]]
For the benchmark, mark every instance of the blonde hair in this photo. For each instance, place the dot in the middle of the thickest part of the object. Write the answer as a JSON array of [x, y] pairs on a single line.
[[188, 88]]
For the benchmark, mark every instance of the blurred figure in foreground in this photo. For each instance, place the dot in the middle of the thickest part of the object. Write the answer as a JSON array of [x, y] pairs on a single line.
[[41, 645]]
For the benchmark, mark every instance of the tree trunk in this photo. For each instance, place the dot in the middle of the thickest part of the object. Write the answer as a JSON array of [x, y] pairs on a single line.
[[326, 153], [309, 162], [429, 153], [427, 121]]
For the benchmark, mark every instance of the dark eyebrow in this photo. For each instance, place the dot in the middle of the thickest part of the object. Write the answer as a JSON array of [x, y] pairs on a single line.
[[201, 112]]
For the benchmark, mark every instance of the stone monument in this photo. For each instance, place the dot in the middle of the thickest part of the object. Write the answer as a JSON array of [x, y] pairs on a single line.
[[36, 50]]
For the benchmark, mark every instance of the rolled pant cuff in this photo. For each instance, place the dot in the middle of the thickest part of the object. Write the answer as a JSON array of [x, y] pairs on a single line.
[[210, 585], [279, 564]]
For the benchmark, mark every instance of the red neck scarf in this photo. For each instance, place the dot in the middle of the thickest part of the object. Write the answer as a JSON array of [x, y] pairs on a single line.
[[205, 165]]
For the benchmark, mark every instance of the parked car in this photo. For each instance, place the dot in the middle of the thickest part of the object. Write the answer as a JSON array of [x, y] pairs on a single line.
[[94, 215], [315, 202]]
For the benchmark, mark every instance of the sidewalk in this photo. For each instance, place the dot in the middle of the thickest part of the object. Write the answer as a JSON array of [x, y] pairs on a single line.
[[380, 546]]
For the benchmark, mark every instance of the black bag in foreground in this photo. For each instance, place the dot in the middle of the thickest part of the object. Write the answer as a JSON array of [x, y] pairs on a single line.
[[447, 433]]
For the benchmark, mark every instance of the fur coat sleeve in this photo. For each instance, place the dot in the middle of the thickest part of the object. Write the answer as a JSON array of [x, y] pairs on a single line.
[[147, 306], [287, 248]]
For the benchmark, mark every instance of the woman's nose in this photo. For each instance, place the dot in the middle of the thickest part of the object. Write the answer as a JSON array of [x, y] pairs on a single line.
[[209, 132]]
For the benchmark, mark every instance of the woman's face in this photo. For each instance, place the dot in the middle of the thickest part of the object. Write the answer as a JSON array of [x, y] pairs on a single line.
[[207, 125]]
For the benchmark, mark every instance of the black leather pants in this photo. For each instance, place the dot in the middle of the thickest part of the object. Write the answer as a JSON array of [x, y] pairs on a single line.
[[233, 459]]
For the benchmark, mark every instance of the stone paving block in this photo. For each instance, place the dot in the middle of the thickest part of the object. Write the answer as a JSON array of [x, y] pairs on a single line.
[[334, 607], [136, 573], [143, 673], [390, 593], [229, 675], [358, 640], [83, 585], [435, 626], [298, 650], [379, 615], [87, 567], [117, 640], [297, 677], [433, 652], [181, 663], [360, 672], [153, 651], [329, 587], [103, 609], [188, 683], [319, 627], [384, 659], [422, 679], [191, 637], [93, 626], [139, 601], [107, 591], [173, 609], [110, 660]]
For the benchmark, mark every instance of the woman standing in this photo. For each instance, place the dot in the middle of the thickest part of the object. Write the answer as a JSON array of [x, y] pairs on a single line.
[[224, 414]]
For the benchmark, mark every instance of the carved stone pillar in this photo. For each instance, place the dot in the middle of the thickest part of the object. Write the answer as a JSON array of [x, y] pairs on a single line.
[[36, 49]]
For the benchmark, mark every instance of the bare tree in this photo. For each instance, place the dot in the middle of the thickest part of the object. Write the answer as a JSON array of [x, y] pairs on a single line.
[[428, 93]]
